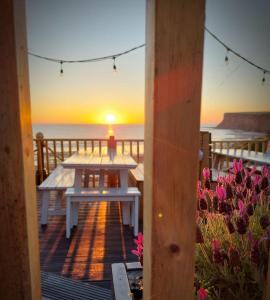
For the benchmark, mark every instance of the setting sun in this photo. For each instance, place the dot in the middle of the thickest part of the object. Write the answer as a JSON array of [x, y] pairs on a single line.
[[110, 118]]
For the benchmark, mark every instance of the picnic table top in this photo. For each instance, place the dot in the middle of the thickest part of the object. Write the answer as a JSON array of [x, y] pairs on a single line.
[[90, 160], [252, 156]]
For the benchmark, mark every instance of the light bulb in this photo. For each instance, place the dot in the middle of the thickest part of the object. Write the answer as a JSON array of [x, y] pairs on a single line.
[[227, 57], [114, 65], [61, 69]]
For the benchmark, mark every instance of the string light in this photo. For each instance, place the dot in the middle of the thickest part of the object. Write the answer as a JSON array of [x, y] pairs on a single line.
[[114, 56], [114, 65], [61, 69], [263, 79], [229, 49], [88, 60], [227, 56]]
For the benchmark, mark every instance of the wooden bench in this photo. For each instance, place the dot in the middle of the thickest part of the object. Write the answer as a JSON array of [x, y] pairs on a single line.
[[59, 180], [136, 178], [121, 285], [76, 195]]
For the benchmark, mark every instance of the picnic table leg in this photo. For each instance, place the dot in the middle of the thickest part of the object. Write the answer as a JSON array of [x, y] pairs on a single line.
[[68, 217], [75, 214], [132, 223], [44, 207], [78, 178], [101, 179], [136, 215], [125, 205], [58, 200]]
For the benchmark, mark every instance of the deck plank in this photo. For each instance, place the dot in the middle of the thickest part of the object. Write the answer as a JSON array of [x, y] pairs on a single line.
[[99, 240]]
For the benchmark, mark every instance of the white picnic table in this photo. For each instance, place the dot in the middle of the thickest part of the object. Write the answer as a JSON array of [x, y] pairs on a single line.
[[84, 160]]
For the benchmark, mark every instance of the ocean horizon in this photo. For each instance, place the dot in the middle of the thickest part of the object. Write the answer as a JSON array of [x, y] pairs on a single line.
[[128, 131]]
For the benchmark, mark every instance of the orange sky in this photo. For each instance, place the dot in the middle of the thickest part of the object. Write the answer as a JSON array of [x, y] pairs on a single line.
[[87, 92]]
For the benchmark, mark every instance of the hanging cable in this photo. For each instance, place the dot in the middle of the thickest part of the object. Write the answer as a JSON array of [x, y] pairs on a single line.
[[229, 49], [113, 56]]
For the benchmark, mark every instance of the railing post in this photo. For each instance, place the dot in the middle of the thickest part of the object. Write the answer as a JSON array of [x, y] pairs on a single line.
[[41, 172]]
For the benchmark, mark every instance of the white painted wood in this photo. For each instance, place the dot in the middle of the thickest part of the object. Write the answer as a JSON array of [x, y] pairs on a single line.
[[120, 282], [102, 193], [59, 179], [93, 161], [68, 221], [138, 173], [76, 195], [78, 177], [252, 156], [44, 207], [125, 206], [136, 215], [133, 265], [84, 160]]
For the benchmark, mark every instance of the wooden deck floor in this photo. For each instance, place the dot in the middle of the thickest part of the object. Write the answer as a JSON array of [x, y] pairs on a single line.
[[99, 240]]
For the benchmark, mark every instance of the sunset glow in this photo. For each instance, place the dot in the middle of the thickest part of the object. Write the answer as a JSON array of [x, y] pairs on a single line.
[[110, 118]]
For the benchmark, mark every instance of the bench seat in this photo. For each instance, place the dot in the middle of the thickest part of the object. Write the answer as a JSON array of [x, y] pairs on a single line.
[[76, 195], [59, 180], [136, 178]]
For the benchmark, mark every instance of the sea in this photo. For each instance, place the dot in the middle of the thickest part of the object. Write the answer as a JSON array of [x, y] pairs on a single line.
[[128, 131]]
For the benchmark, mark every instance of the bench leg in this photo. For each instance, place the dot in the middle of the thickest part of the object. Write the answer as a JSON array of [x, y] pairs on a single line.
[[44, 207], [126, 212], [68, 217], [57, 206], [75, 213], [136, 215], [132, 223], [101, 179]]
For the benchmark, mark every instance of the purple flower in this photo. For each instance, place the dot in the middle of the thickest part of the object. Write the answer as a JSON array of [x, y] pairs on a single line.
[[206, 173], [241, 225], [206, 176], [215, 202], [229, 191], [221, 193], [250, 209], [202, 294], [217, 254], [237, 169], [139, 251], [229, 224]]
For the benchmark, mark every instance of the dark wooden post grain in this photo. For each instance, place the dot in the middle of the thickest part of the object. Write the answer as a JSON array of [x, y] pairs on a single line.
[[19, 250]]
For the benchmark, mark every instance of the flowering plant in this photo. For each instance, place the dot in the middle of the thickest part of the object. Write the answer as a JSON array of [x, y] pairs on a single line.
[[139, 251], [233, 234]]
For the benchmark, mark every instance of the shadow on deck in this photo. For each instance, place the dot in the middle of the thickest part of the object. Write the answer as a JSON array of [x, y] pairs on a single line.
[[99, 240]]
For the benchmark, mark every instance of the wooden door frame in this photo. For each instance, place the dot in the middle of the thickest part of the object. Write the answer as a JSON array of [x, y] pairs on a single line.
[[174, 55]]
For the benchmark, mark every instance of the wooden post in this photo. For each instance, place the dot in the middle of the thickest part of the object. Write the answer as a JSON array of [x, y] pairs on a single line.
[[41, 173], [174, 55], [19, 250]]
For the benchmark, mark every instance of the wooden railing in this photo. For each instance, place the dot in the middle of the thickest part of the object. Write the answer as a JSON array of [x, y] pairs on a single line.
[[258, 145], [49, 153]]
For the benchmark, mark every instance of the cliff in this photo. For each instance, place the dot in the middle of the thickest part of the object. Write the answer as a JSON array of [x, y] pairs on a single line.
[[248, 121]]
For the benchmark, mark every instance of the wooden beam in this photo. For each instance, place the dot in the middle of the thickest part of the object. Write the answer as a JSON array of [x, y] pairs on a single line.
[[174, 55], [19, 251]]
